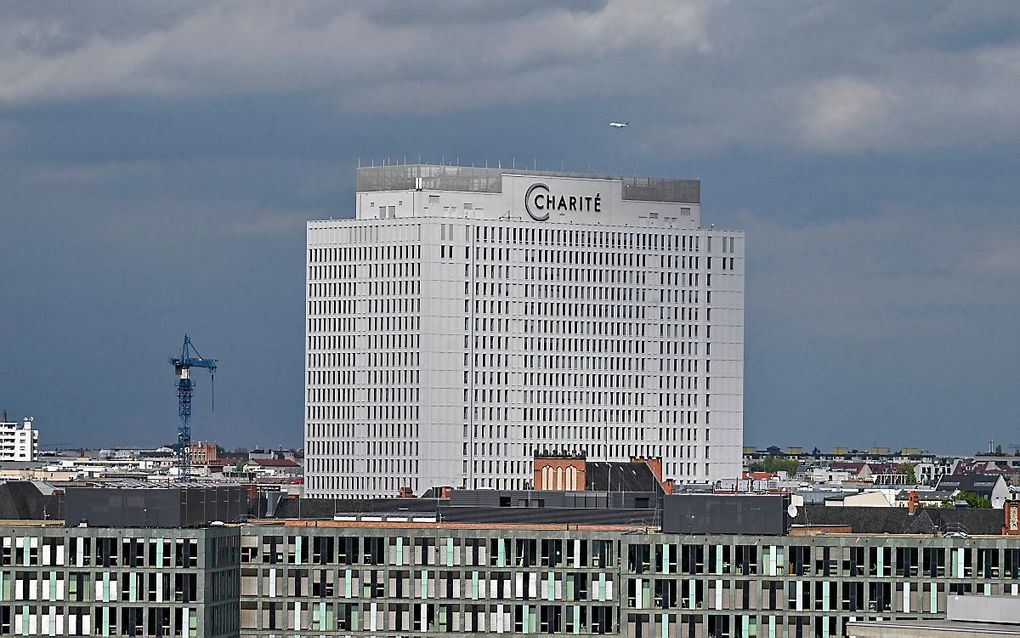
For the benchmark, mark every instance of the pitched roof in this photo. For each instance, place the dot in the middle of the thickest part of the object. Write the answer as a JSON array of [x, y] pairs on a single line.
[[975, 483], [897, 520], [620, 477]]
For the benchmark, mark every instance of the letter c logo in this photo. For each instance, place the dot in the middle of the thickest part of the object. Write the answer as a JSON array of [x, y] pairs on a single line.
[[528, 202]]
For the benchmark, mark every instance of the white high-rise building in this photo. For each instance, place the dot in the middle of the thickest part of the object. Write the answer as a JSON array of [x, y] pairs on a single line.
[[469, 318], [19, 441]]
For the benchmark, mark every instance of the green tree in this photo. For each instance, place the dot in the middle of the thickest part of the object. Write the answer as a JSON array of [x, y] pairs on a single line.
[[910, 469], [776, 464], [972, 500]]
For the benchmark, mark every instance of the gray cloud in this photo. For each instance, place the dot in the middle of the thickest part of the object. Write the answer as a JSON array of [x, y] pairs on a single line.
[[158, 162], [826, 78]]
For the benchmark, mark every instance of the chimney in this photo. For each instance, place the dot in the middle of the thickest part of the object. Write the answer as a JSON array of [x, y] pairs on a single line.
[[668, 486], [1011, 523], [913, 502], [405, 492], [445, 491]]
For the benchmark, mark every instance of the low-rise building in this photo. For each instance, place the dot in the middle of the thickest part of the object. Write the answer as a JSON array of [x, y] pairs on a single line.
[[988, 486], [203, 452], [272, 467]]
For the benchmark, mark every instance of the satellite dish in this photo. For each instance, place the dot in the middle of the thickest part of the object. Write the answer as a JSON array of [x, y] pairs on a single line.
[[792, 510]]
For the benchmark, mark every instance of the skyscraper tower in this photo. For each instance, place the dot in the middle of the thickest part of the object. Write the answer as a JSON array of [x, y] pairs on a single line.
[[468, 318]]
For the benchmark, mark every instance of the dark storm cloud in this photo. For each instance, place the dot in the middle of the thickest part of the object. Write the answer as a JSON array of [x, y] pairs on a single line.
[[157, 162]]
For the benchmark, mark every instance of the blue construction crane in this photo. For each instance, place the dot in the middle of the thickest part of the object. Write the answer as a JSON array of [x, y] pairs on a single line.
[[185, 388]]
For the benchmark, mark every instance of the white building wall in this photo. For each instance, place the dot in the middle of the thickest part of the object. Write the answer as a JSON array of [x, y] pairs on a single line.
[[446, 346], [19, 441]]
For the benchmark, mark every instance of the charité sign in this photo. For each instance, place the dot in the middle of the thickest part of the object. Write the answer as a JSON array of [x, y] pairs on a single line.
[[540, 202]]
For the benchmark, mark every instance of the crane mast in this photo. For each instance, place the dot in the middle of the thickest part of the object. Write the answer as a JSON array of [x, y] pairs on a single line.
[[185, 389]]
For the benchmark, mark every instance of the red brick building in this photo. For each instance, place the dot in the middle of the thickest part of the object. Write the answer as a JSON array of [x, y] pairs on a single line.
[[203, 452]]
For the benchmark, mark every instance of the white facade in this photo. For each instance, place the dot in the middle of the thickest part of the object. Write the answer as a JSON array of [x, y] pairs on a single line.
[[469, 318], [19, 441]]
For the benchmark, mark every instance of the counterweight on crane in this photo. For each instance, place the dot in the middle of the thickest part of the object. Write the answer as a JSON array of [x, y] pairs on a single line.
[[185, 388]]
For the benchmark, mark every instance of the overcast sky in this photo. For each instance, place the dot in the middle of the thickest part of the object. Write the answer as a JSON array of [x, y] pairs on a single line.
[[158, 162]]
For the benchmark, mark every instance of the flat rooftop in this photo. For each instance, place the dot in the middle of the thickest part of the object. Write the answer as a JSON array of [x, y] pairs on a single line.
[[928, 628], [472, 179]]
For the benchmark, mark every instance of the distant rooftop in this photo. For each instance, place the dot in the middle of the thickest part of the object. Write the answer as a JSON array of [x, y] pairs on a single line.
[[274, 463], [490, 180]]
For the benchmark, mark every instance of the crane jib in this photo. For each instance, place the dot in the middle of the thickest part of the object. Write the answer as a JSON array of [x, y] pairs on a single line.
[[185, 389]]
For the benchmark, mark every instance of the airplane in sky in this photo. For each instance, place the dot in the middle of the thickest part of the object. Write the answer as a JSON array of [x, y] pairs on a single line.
[[619, 124]]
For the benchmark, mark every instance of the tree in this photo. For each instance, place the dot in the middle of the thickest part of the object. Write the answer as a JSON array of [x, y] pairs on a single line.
[[776, 464], [974, 500], [910, 469]]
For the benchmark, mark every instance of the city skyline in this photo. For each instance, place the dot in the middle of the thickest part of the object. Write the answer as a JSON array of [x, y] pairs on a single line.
[[868, 154]]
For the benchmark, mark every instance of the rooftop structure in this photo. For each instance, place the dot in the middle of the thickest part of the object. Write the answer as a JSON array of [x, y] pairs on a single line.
[[431, 177], [966, 617]]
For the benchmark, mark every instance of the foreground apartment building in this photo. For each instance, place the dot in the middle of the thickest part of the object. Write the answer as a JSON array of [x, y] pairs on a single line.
[[399, 579], [468, 318], [372, 577], [85, 581]]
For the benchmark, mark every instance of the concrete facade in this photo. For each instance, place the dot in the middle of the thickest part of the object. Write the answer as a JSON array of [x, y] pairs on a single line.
[[435, 579], [327, 578], [452, 334], [85, 581]]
